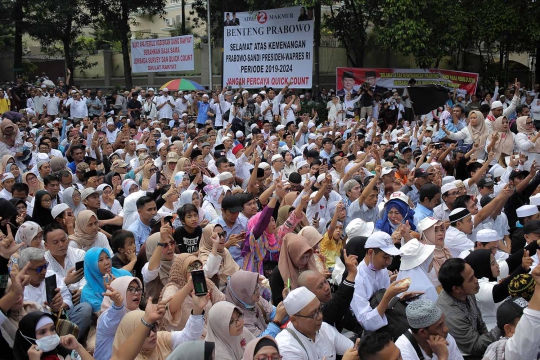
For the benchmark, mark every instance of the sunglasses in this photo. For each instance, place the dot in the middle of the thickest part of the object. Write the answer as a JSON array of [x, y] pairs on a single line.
[[529, 123], [39, 269], [153, 169], [222, 234]]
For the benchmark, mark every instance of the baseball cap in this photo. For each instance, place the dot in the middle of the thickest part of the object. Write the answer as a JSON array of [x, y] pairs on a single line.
[[89, 191], [58, 209], [420, 173], [82, 167], [517, 172], [383, 241], [386, 170], [231, 203], [119, 163], [509, 310], [172, 157], [485, 182]]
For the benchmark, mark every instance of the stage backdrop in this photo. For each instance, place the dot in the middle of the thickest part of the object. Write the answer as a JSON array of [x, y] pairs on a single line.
[[268, 47], [388, 79], [164, 54]]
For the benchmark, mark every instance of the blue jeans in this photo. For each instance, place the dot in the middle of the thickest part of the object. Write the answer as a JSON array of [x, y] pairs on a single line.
[[81, 315]]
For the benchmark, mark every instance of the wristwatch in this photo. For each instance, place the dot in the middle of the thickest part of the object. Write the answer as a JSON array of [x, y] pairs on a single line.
[[151, 326]]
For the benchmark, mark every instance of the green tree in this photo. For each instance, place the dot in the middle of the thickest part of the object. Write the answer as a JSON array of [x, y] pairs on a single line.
[[116, 13], [350, 21], [58, 28]]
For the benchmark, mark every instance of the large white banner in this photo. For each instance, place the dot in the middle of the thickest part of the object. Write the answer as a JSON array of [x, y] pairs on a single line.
[[165, 54], [268, 48]]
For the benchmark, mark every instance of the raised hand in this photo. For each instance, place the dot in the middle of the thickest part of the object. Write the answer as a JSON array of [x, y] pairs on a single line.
[[69, 342], [351, 262], [8, 246], [155, 312], [526, 260], [114, 295]]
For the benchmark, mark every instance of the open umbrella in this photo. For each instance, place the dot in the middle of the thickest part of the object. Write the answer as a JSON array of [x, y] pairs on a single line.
[[181, 84]]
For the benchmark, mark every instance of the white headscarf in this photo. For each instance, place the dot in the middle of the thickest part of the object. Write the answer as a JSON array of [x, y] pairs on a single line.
[[68, 199]]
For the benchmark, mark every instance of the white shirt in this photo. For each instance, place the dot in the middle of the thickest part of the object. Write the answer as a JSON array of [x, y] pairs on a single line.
[[328, 343], [72, 256], [457, 241], [273, 105], [78, 108], [39, 294], [166, 110], [408, 352], [524, 344], [4, 194], [52, 105], [366, 283], [486, 304], [441, 212], [321, 207]]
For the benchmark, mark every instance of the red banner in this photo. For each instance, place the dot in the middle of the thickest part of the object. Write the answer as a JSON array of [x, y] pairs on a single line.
[[349, 80]]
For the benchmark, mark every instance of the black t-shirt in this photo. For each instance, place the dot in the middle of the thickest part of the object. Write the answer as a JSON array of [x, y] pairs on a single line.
[[117, 263], [104, 214], [187, 242]]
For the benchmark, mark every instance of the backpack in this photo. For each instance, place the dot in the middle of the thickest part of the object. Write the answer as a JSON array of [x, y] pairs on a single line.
[[396, 316]]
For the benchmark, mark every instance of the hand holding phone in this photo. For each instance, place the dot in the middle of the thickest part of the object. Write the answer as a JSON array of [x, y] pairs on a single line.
[[199, 282], [50, 288]]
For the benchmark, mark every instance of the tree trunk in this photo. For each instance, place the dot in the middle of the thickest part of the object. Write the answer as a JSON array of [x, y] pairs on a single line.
[[124, 30], [18, 51], [66, 42], [183, 17]]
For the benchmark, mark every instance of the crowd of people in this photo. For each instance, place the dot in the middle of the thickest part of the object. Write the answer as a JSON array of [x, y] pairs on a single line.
[[233, 225]]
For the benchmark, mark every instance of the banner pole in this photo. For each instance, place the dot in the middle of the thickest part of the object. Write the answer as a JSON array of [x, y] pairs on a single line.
[[209, 45]]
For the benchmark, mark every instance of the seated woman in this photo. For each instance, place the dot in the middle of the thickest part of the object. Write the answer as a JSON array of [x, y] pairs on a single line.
[[30, 234], [98, 272], [261, 250], [157, 262], [212, 202], [296, 255], [156, 344], [178, 312], [260, 317], [108, 200], [314, 238], [42, 208], [194, 350], [34, 185], [123, 295], [37, 329], [492, 293], [416, 263], [262, 348], [72, 197], [226, 329], [397, 211], [87, 234], [432, 232], [22, 214], [218, 264]]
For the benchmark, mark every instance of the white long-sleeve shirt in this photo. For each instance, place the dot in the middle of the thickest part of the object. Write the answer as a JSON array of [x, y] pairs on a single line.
[[465, 135], [457, 241], [73, 255], [524, 145], [408, 352], [366, 283], [39, 294], [328, 342], [524, 344]]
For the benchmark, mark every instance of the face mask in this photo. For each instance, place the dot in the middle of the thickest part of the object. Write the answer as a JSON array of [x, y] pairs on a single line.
[[46, 344], [370, 265]]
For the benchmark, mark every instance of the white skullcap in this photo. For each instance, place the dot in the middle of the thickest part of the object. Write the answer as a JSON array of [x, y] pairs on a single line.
[[160, 146], [526, 210], [297, 300], [301, 163], [535, 200], [312, 136], [8, 176], [58, 209], [239, 134], [321, 177], [253, 126], [276, 157], [280, 127], [273, 137], [225, 176], [264, 165], [447, 187], [487, 235]]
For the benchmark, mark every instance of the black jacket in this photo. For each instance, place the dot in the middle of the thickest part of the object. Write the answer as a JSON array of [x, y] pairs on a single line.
[[336, 312]]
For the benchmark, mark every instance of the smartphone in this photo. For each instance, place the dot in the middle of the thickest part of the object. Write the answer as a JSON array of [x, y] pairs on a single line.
[[199, 282], [50, 288], [79, 265]]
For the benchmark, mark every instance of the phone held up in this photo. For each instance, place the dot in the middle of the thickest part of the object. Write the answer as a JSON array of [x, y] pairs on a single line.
[[199, 282]]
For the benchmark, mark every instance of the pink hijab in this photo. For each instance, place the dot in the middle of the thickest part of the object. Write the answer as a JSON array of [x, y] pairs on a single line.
[[251, 224]]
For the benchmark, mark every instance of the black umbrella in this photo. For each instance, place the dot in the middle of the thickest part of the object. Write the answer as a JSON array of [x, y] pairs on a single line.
[[426, 98]]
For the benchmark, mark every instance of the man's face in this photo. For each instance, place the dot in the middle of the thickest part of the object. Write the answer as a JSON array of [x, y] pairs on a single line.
[[230, 217], [472, 206], [36, 271], [278, 164], [19, 194], [372, 80], [92, 201], [497, 111], [309, 319], [53, 188], [470, 284], [318, 285], [147, 212], [457, 112], [486, 190], [381, 260], [250, 208], [57, 243], [526, 111], [434, 202], [328, 146], [466, 225], [348, 83], [78, 155]]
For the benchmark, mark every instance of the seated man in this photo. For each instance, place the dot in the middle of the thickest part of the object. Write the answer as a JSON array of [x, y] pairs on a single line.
[[378, 346], [458, 303], [80, 314], [428, 334], [307, 336]]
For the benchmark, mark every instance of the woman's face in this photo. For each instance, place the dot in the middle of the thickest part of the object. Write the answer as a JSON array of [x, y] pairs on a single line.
[[288, 158], [15, 170], [505, 124], [473, 119], [394, 216], [185, 182], [236, 324], [195, 199], [46, 201], [440, 233], [267, 352], [8, 184], [495, 270], [104, 263], [271, 228], [133, 188], [222, 236], [133, 296], [36, 241], [46, 330], [31, 180], [304, 259], [187, 166], [171, 165], [76, 197], [92, 227], [151, 341]]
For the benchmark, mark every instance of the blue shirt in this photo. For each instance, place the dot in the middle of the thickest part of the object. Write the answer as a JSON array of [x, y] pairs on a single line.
[[421, 212], [239, 225], [141, 232], [72, 167], [202, 114]]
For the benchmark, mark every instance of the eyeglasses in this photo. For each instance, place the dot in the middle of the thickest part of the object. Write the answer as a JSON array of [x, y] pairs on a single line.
[[153, 169], [134, 290], [222, 234], [39, 269], [268, 357], [453, 193], [170, 244], [314, 316], [235, 322], [528, 123]]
